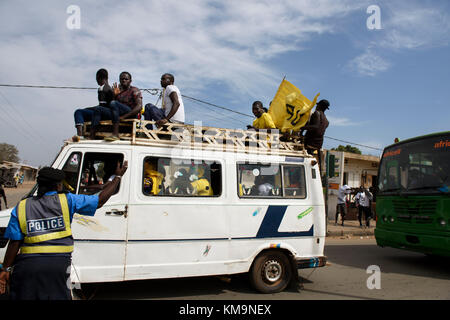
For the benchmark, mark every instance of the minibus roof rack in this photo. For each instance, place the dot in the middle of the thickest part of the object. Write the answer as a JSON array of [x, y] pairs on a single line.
[[206, 138]]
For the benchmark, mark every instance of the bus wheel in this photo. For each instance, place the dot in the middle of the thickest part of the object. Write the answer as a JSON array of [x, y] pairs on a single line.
[[271, 272]]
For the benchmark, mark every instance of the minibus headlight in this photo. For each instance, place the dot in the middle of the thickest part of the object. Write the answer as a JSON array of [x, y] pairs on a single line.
[[442, 222], [391, 219], [384, 219]]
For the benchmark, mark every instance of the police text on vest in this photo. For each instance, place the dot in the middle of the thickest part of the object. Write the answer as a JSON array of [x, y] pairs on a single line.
[[43, 225]]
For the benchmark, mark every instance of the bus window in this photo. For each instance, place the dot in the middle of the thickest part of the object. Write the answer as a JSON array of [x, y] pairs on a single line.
[[71, 169], [294, 181], [256, 180], [177, 177], [97, 170]]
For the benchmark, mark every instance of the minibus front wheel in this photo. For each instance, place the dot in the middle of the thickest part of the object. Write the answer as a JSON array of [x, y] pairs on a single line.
[[271, 272]]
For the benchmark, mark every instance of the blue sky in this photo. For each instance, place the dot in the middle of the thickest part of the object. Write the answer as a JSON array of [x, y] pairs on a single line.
[[382, 84]]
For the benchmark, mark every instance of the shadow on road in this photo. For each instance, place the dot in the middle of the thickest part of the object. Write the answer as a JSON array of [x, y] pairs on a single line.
[[390, 260], [180, 288]]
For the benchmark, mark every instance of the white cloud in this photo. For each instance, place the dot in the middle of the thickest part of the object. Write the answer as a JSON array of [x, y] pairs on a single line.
[[415, 26], [341, 122], [406, 25], [368, 64]]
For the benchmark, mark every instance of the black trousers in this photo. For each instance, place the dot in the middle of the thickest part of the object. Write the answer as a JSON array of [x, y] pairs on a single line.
[[367, 215], [360, 212], [341, 208], [41, 278]]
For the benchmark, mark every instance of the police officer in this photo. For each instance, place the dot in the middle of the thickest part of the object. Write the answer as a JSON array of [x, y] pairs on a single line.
[[40, 227]]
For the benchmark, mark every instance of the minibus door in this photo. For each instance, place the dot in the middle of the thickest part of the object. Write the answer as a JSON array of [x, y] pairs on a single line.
[[100, 240]]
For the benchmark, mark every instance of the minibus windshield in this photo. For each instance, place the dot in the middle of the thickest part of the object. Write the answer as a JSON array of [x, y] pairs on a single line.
[[416, 167]]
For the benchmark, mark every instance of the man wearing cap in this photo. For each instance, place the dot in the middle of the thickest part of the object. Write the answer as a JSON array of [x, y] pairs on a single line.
[[41, 242], [316, 127]]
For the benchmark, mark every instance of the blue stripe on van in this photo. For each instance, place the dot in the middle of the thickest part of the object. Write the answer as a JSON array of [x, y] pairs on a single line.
[[271, 223]]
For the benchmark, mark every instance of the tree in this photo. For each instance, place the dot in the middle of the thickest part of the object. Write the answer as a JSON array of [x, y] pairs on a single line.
[[347, 148], [8, 152]]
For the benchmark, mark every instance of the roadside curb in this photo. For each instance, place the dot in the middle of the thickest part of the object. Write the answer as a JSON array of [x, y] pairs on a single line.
[[356, 233], [351, 228]]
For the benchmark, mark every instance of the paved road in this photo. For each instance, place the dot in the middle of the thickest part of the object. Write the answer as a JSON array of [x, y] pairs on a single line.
[[404, 275]]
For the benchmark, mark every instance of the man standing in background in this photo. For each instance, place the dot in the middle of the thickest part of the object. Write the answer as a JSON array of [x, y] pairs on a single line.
[[341, 207], [3, 195]]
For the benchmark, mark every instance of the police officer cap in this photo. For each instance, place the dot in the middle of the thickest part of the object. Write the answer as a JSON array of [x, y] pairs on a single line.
[[324, 103], [50, 175]]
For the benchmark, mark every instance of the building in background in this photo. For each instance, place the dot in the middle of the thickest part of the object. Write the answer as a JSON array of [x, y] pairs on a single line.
[[9, 171], [354, 170]]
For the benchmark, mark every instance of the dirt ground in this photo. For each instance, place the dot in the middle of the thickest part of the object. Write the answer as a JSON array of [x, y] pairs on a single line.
[[13, 195]]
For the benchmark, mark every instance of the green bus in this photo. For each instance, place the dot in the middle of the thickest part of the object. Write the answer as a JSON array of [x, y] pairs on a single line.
[[413, 196]]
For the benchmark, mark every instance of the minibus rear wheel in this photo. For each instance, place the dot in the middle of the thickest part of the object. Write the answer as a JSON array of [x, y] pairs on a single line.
[[271, 272]]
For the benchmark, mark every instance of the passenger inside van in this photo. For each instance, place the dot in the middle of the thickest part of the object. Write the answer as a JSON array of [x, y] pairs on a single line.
[[181, 184], [263, 186], [201, 185], [294, 181], [153, 183]]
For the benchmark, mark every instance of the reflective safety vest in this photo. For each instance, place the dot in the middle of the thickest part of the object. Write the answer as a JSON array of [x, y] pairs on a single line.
[[45, 222]]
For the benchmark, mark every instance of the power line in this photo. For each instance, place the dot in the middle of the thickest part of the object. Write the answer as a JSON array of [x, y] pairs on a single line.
[[22, 117], [215, 105], [357, 144], [13, 123], [226, 117], [222, 119]]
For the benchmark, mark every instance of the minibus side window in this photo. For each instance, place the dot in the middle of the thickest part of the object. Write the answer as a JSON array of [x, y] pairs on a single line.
[[71, 170], [294, 184], [98, 169], [181, 177], [257, 180]]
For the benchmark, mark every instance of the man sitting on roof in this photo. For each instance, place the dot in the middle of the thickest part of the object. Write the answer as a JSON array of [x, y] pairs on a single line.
[[263, 119], [172, 104], [105, 96], [127, 104]]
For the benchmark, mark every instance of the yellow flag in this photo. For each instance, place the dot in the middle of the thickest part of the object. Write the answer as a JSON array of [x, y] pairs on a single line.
[[290, 109]]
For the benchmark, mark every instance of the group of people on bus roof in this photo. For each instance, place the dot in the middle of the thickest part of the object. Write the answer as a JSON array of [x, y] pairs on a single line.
[[124, 101], [315, 129]]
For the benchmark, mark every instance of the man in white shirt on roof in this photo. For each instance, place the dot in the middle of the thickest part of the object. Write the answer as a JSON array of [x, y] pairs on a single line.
[[172, 109], [341, 205]]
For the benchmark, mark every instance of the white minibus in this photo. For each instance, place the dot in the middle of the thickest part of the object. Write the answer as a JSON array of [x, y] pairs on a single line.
[[195, 208]]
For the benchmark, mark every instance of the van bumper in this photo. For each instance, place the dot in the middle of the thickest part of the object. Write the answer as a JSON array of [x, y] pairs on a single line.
[[316, 262]]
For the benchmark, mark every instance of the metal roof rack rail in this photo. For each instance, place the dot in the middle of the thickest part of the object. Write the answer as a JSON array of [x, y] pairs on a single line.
[[208, 138]]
